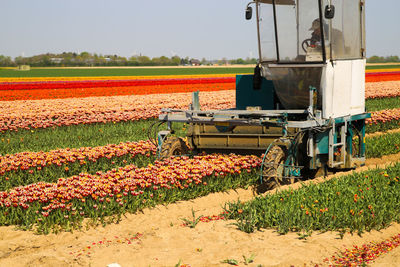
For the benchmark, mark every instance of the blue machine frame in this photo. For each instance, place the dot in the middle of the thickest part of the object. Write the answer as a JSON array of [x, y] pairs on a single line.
[[330, 143]]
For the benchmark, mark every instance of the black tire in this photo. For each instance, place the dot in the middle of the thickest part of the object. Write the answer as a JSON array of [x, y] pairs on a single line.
[[173, 146], [273, 169]]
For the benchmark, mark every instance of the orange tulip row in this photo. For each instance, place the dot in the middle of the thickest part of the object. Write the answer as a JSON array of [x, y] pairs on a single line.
[[105, 87], [174, 172], [130, 186], [11, 95], [384, 116], [28, 160]]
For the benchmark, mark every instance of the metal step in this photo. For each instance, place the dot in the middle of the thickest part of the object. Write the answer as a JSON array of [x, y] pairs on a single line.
[[332, 145]]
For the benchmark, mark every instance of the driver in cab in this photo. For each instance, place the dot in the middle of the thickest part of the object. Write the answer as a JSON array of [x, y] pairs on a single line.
[[333, 38], [316, 34]]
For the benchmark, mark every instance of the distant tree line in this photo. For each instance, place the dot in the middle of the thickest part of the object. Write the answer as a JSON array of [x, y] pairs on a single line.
[[71, 59], [6, 61], [389, 59]]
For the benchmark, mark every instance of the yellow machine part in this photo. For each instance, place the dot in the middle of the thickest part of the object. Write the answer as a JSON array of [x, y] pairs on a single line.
[[239, 137]]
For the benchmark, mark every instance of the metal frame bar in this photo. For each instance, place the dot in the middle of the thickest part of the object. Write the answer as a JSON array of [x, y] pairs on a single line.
[[258, 30], [264, 121], [278, 61], [362, 26], [309, 64], [321, 25], [269, 113], [276, 33]]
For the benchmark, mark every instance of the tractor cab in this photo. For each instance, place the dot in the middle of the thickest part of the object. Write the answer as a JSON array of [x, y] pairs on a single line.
[[304, 107], [318, 43]]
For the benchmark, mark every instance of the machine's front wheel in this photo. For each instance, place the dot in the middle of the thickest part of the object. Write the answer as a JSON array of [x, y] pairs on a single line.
[[173, 146], [273, 168]]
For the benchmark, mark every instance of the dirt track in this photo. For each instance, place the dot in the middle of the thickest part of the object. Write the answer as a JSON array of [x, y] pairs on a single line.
[[164, 241]]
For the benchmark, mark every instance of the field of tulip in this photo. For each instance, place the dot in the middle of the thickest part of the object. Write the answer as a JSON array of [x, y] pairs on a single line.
[[74, 157], [65, 203], [354, 203], [10, 91], [384, 120], [68, 87], [30, 167], [124, 72], [18, 115], [382, 76], [122, 82], [379, 90]]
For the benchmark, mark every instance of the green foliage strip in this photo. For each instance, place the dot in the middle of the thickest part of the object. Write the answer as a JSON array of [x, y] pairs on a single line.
[[354, 203]]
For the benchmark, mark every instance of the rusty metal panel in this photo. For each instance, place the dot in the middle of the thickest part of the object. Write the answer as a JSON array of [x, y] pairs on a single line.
[[243, 141], [241, 137], [212, 141]]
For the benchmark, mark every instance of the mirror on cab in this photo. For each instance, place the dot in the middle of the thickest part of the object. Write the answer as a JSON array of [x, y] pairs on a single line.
[[249, 12], [329, 11]]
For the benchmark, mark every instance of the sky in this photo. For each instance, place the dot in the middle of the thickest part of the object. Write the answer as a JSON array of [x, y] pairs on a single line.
[[211, 29]]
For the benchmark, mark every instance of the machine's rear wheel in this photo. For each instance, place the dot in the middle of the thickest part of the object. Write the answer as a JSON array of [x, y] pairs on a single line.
[[273, 168], [173, 146]]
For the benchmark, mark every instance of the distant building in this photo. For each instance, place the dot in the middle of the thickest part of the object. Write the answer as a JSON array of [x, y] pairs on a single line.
[[195, 62], [24, 67], [56, 60]]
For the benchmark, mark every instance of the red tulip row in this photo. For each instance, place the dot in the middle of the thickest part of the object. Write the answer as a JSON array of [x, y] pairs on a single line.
[[33, 90], [68, 89], [382, 76], [28, 160], [110, 83], [70, 84], [12, 95]]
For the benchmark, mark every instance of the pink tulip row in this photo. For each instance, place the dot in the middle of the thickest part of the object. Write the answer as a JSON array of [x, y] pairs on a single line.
[[15, 115], [382, 89], [178, 172], [384, 116]]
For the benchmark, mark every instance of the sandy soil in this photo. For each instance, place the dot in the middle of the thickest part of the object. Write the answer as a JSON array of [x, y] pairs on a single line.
[[164, 241], [390, 259]]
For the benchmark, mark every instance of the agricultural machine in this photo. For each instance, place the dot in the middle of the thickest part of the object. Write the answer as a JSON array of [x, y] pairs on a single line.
[[304, 107]]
